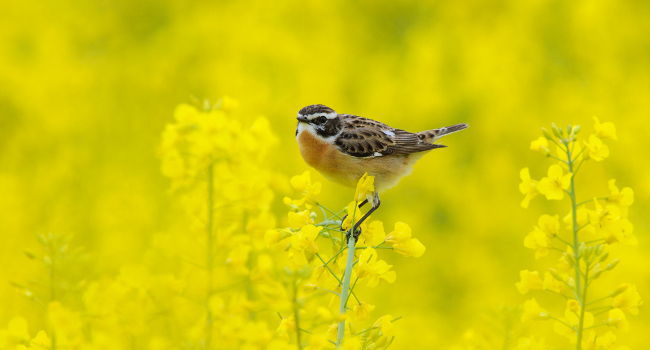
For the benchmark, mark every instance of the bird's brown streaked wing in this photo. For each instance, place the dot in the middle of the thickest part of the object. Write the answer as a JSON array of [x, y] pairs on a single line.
[[407, 143], [361, 137]]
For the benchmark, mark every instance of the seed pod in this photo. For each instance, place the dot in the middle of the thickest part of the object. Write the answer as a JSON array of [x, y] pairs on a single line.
[[604, 257], [612, 264]]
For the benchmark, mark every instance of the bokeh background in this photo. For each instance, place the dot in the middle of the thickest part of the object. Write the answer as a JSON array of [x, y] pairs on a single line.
[[86, 88]]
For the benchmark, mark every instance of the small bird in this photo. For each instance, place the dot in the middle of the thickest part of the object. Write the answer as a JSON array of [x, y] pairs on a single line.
[[343, 147]]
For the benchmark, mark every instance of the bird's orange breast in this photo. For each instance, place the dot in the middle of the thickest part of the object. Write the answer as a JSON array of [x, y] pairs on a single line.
[[313, 150]]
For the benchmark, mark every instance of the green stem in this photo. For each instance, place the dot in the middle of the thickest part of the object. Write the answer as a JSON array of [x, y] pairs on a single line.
[[576, 253], [209, 256], [581, 322], [296, 315], [345, 289]]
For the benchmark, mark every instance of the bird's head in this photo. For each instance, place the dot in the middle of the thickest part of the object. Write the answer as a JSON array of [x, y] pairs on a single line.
[[319, 120]]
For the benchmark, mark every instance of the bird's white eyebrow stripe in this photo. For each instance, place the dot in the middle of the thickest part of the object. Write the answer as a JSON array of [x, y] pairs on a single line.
[[388, 132], [320, 114]]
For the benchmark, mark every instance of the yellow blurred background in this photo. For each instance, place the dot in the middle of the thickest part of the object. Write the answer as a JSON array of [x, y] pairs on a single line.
[[87, 87]]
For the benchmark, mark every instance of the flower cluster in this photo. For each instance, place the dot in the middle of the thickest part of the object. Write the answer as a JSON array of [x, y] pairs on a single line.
[[318, 277], [228, 278], [579, 240]]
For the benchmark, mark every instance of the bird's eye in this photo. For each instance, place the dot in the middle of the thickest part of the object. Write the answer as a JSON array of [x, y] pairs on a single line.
[[320, 120]]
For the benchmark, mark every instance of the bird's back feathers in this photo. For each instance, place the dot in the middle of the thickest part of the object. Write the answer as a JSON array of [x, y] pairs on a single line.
[[362, 137]]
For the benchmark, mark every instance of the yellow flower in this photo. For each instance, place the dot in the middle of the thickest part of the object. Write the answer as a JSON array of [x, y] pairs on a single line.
[[299, 219], [609, 224], [550, 225], [605, 130], [596, 149], [365, 188], [532, 311], [540, 145], [305, 187], [273, 237], [616, 318], [553, 284], [352, 343], [628, 300], [538, 241], [400, 233], [555, 183], [412, 247], [361, 312], [602, 341], [374, 234], [623, 198], [385, 325], [527, 187], [528, 280], [302, 244], [372, 270], [401, 240], [41, 341], [302, 183]]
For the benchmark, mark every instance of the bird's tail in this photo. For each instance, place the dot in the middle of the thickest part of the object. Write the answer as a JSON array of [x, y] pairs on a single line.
[[435, 134]]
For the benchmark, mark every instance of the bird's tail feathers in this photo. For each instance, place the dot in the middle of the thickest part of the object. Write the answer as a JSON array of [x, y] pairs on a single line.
[[435, 134]]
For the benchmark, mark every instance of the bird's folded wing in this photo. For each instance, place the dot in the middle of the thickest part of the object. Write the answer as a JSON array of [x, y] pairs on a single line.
[[362, 137]]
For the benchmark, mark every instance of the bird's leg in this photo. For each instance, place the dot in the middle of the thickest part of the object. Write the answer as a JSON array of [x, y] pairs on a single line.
[[355, 228], [358, 206]]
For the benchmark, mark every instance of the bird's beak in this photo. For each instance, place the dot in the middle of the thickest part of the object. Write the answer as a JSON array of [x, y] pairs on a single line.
[[302, 119]]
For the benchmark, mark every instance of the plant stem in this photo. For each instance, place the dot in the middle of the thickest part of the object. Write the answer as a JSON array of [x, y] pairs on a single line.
[[581, 322], [576, 253], [296, 315], [345, 288], [209, 256]]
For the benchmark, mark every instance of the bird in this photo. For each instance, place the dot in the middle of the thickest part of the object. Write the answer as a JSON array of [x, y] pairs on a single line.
[[343, 147]]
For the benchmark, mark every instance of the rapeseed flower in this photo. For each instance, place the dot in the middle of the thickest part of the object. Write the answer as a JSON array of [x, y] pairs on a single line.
[[555, 183], [605, 130], [596, 149], [540, 145], [527, 187], [533, 311], [628, 299], [371, 270], [583, 243], [529, 280]]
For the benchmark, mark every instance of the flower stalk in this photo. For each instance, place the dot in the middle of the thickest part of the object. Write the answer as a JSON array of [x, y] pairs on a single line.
[[209, 254], [582, 240], [580, 294], [345, 288]]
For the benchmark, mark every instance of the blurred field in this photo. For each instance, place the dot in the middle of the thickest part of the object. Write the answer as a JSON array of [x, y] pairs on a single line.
[[86, 89]]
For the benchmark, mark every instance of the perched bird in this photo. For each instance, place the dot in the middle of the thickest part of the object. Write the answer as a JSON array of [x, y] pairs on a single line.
[[343, 147]]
